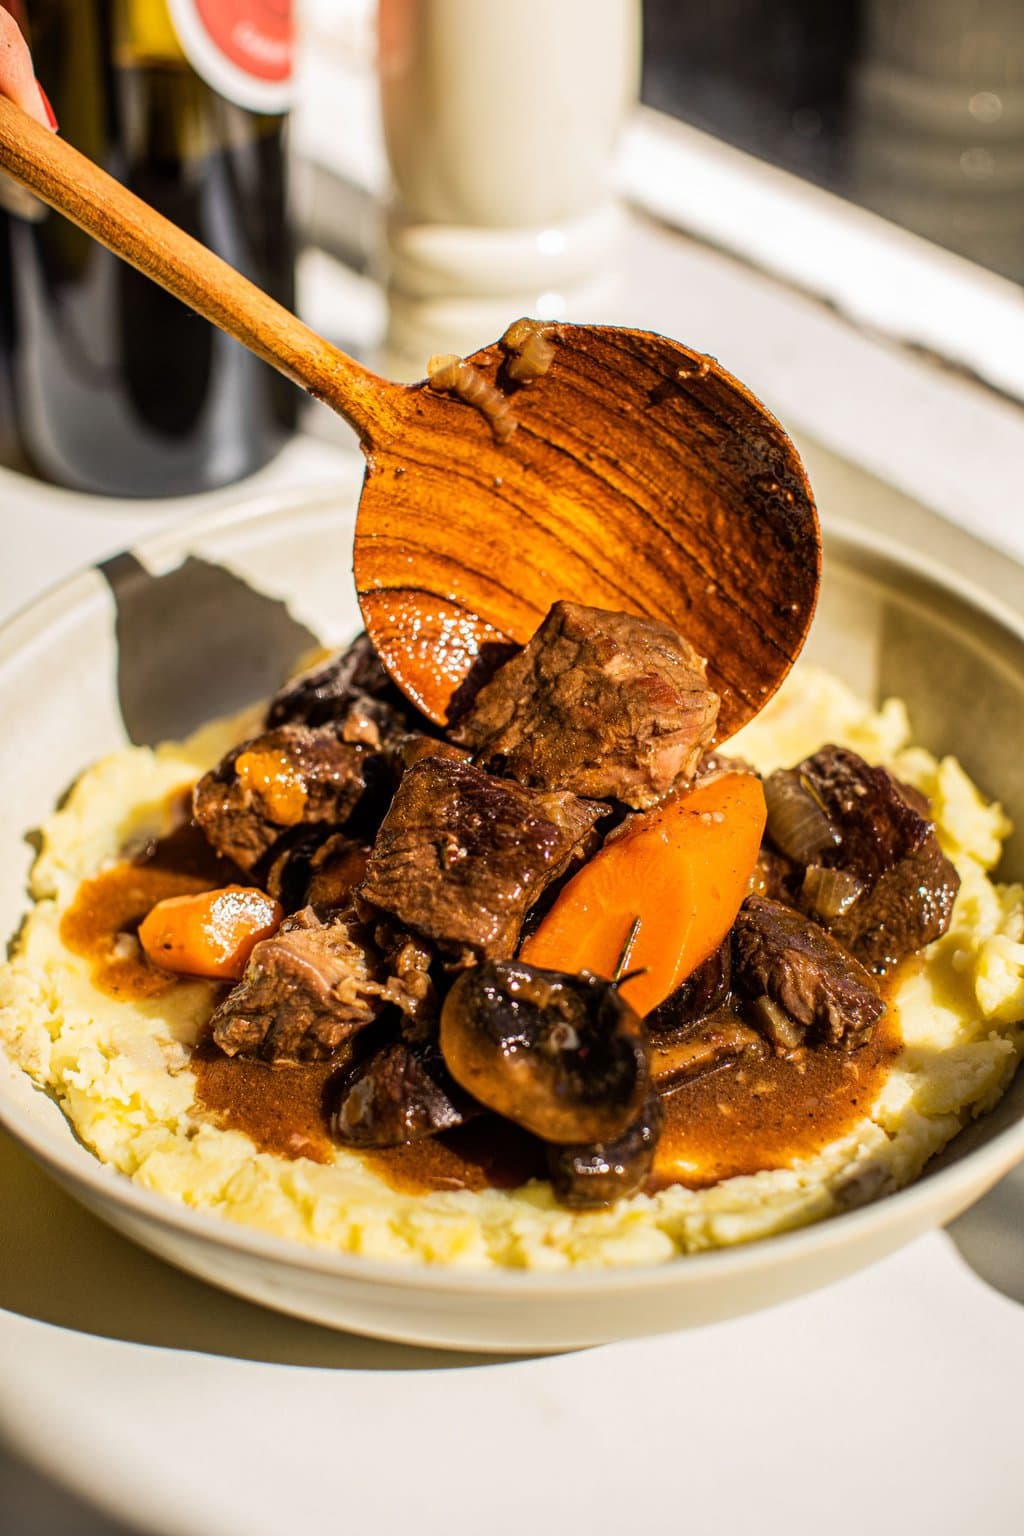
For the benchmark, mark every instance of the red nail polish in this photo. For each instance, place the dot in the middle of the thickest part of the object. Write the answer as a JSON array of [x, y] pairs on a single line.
[[50, 113]]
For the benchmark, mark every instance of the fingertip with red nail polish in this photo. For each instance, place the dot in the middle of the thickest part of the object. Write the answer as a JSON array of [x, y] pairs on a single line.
[[51, 116]]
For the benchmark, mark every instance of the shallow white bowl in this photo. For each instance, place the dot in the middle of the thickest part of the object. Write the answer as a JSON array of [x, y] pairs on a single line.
[[193, 634]]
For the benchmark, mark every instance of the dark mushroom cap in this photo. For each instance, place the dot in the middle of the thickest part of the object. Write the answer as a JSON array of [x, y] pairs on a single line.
[[587, 1177], [563, 1056]]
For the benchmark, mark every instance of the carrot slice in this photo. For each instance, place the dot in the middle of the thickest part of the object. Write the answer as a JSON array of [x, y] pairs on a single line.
[[674, 881], [209, 934]]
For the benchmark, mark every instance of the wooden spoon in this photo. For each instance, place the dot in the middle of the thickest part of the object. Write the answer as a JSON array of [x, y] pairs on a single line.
[[641, 476]]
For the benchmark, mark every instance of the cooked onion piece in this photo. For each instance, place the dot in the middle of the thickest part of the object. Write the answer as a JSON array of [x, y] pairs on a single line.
[[532, 351], [797, 823], [830, 892]]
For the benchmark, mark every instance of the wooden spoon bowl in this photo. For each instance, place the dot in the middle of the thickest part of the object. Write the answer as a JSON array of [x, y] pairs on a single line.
[[641, 476]]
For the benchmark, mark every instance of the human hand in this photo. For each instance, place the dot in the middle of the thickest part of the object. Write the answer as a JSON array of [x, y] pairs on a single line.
[[17, 77]]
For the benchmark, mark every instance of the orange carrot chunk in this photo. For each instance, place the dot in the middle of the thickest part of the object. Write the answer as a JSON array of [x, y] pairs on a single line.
[[209, 934], [661, 897]]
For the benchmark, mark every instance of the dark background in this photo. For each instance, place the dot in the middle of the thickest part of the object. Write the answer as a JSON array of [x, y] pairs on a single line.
[[911, 108]]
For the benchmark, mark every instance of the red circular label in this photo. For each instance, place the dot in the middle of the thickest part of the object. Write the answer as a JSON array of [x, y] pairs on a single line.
[[254, 35]]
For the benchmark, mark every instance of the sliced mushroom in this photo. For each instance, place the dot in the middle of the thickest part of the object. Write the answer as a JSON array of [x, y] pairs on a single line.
[[563, 1056], [585, 1177], [678, 1056]]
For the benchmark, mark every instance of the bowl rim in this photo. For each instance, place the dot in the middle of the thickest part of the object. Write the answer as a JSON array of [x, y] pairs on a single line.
[[75, 1165]]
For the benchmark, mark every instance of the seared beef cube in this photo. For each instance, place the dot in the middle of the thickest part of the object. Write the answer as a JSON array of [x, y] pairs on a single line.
[[822, 991], [292, 776], [352, 694], [908, 907], [335, 870], [305, 992], [871, 813], [461, 856], [587, 1177], [316, 870], [887, 844], [705, 990], [323, 693], [407, 751], [604, 704], [403, 1093]]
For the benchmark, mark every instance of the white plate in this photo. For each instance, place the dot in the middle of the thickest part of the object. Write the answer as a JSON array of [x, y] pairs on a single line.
[[887, 622]]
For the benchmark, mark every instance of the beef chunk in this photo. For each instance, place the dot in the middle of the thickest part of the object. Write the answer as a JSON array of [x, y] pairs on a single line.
[[353, 695], [403, 1093], [408, 750], [705, 990], [461, 856], [603, 704], [887, 843], [908, 907], [306, 991], [318, 868], [290, 776], [823, 992], [323, 694]]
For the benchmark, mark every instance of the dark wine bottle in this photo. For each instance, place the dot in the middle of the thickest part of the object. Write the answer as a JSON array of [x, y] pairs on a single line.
[[116, 386]]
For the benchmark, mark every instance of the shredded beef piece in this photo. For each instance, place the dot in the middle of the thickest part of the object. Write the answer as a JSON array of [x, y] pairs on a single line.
[[409, 986], [289, 777], [888, 843], [461, 856], [305, 992], [607, 705], [827, 995]]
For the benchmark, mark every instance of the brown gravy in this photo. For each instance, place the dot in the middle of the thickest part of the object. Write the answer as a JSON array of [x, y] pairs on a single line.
[[281, 1108], [739, 1119], [769, 1113], [102, 920], [284, 1109]]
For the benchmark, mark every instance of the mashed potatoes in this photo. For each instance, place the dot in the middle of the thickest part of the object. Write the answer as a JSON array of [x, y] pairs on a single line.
[[121, 1070]]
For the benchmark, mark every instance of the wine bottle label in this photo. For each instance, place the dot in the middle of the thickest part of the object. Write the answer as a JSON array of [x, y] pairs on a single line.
[[242, 48]]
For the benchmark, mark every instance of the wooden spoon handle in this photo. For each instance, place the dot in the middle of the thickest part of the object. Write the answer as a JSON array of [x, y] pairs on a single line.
[[77, 188]]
